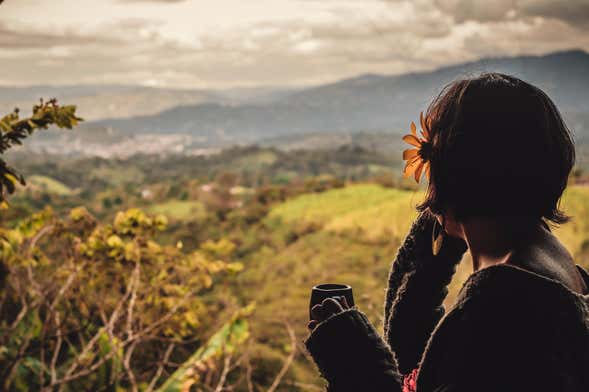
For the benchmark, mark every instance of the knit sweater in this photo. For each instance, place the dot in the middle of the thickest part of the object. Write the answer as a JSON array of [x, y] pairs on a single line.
[[509, 330]]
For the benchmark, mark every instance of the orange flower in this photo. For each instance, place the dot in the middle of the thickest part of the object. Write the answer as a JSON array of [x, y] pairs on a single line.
[[418, 158]]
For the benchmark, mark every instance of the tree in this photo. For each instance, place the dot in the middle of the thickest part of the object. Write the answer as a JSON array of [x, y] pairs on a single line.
[[15, 129], [90, 306]]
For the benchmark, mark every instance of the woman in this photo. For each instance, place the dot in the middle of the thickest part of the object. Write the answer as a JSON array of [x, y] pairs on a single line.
[[497, 155]]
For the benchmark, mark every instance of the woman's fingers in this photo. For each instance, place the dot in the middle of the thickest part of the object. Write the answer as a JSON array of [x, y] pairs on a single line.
[[327, 308], [332, 306], [318, 313], [344, 302]]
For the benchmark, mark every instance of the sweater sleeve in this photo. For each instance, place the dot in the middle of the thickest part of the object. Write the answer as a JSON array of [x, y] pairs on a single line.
[[416, 290], [351, 355], [348, 351]]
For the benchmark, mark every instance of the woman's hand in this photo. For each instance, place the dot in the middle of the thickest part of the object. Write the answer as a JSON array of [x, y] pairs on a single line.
[[329, 307]]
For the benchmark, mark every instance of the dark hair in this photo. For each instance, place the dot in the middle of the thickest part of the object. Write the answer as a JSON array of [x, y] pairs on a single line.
[[499, 148]]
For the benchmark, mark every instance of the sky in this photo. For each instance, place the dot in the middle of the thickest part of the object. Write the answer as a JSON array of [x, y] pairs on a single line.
[[217, 44]]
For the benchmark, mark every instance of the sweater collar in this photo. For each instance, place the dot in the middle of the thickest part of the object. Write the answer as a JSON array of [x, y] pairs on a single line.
[[507, 268]]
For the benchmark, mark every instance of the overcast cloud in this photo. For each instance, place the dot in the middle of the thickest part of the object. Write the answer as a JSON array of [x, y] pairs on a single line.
[[225, 43]]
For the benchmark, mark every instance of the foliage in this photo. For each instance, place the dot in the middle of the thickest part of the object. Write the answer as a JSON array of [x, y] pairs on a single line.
[[89, 305], [291, 168], [225, 342], [13, 130]]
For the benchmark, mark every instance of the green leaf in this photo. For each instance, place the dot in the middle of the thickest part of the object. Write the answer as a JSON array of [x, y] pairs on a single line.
[[226, 340], [28, 372], [15, 130]]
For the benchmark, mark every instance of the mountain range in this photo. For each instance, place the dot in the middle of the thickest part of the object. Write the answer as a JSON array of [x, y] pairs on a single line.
[[367, 102], [381, 103], [97, 102]]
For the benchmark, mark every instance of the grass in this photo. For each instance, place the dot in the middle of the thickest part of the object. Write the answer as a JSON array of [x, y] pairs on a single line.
[[575, 234], [117, 176], [376, 213], [256, 160], [181, 210], [49, 185], [340, 209]]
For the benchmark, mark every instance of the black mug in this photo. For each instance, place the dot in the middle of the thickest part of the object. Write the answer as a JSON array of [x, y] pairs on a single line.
[[329, 290]]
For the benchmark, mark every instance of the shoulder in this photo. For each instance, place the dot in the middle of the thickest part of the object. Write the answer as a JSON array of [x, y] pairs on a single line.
[[498, 298], [511, 286], [495, 306], [507, 319], [511, 301]]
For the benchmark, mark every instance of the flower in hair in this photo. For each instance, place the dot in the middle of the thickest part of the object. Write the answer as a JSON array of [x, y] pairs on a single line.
[[418, 158]]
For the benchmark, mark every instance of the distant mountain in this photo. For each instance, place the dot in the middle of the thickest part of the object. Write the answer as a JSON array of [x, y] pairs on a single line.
[[99, 102], [96, 102], [367, 102]]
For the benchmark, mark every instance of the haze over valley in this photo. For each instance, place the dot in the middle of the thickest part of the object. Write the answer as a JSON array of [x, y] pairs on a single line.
[[125, 120]]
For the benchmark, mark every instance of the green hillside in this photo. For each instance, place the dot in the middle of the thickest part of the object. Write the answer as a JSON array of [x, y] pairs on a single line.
[[575, 234], [179, 209], [377, 213], [382, 214], [49, 185]]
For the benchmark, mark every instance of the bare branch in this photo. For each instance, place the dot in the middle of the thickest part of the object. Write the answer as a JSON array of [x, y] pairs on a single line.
[[21, 314], [85, 372], [166, 317], [129, 370], [45, 230], [226, 368], [307, 387], [248, 372], [289, 360], [64, 288], [53, 369], [108, 327], [161, 367], [23, 347], [135, 285]]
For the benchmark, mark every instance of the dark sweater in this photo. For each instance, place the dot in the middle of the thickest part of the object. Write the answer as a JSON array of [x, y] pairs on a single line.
[[510, 330]]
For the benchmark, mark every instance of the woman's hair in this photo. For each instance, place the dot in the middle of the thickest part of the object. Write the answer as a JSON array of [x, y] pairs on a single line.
[[499, 148]]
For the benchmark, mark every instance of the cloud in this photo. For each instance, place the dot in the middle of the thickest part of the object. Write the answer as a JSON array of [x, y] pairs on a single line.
[[575, 12], [534, 36], [480, 11], [11, 38], [340, 38], [152, 1]]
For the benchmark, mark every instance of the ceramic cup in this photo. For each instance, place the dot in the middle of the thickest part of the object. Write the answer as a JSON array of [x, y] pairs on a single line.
[[328, 290]]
